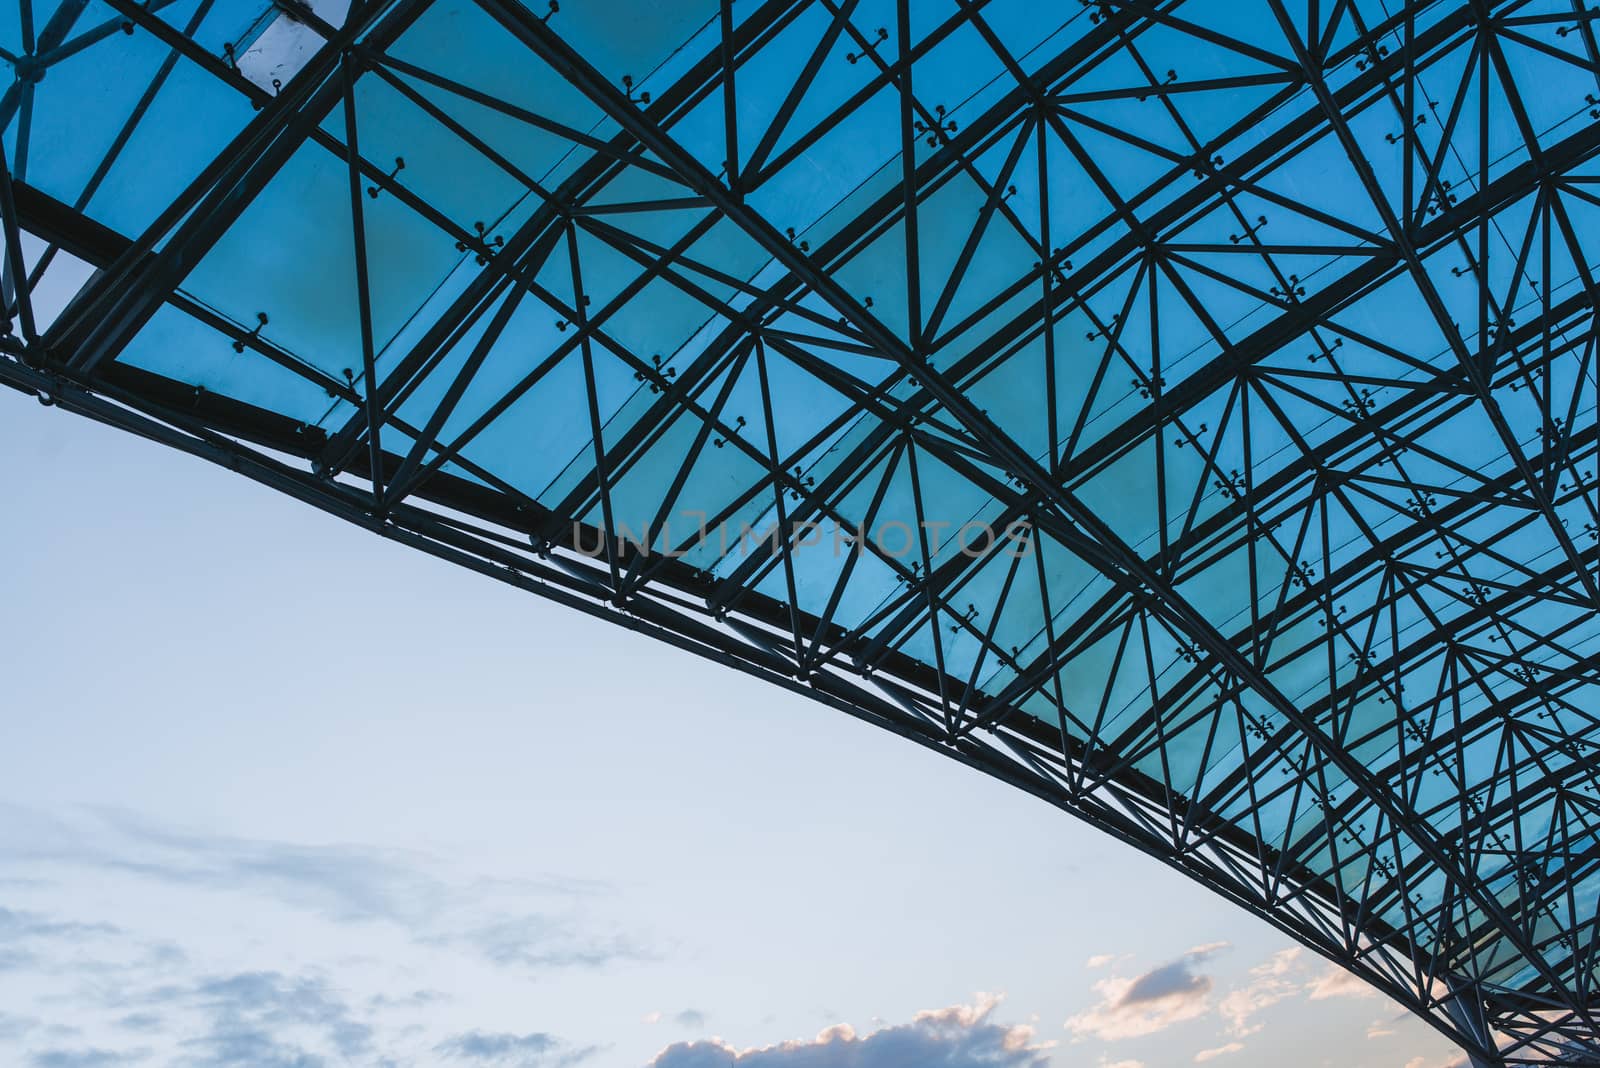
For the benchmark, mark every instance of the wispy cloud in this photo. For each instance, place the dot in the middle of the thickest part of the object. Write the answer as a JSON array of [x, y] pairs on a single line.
[[1217, 1051], [261, 1018], [417, 999], [1146, 1004], [342, 883], [279, 1002], [83, 1058], [960, 1036], [141, 1021], [35, 941], [534, 1050], [1269, 983], [16, 925], [540, 941], [1424, 1062], [272, 1019], [134, 998], [1182, 990], [1335, 982]]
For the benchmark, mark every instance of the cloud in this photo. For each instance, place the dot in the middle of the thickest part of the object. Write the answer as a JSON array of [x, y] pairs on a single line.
[[1220, 1051], [1099, 960], [534, 1050], [961, 1036], [341, 883], [37, 942], [1180, 990], [1173, 980], [1270, 982], [693, 1019], [1152, 1002], [414, 1000], [141, 1021], [1335, 982], [269, 1020], [16, 926], [82, 1058], [131, 987], [1209, 949], [539, 941], [14, 960], [1280, 963]]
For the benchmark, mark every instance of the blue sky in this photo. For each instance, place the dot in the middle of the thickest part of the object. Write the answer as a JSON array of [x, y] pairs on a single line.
[[274, 792]]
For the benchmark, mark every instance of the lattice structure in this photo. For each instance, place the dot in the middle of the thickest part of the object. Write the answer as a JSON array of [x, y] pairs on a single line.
[[1185, 411]]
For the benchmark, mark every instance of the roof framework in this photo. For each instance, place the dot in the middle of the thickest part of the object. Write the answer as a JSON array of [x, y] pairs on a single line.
[[1184, 411]]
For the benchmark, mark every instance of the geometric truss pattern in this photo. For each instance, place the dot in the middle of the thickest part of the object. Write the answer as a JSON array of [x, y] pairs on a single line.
[[1184, 411]]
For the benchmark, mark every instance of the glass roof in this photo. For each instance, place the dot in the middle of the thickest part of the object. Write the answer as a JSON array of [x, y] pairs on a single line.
[[1185, 410]]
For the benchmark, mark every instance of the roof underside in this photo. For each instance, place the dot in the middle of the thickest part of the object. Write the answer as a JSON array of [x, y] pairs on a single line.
[[1183, 410]]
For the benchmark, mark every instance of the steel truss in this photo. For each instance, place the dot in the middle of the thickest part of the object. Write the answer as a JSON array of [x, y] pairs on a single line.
[[1258, 339]]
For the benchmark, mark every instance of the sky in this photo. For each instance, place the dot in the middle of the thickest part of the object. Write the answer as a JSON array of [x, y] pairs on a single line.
[[276, 792]]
